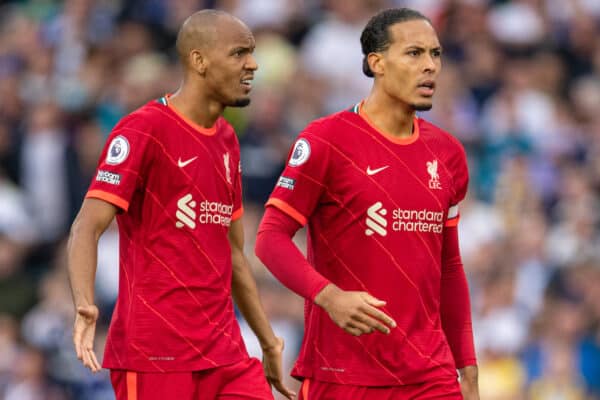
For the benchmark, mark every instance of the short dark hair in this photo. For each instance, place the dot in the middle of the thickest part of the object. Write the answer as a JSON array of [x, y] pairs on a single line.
[[376, 35]]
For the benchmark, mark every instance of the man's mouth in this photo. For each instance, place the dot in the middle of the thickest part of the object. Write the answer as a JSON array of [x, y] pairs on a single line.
[[426, 88], [247, 83]]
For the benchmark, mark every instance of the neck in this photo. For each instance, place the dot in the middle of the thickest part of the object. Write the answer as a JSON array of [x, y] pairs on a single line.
[[388, 115], [191, 101]]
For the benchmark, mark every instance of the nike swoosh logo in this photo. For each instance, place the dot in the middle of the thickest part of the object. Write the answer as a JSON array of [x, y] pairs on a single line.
[[375, 171], [186, 162]]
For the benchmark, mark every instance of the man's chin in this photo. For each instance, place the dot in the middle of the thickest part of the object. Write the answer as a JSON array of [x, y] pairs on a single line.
[[422, 106], [240, 102]]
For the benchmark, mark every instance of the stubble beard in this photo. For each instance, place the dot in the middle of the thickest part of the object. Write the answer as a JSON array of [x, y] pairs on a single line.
[[240, 103], [422, 107]]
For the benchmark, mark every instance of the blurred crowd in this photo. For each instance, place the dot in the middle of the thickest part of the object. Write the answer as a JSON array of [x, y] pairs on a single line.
[[520, 88]]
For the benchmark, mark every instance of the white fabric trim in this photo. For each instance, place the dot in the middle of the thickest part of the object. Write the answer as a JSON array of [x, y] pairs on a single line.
[[453, 212]]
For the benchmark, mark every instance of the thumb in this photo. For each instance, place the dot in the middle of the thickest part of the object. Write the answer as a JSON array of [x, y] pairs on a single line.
[[90, 312]]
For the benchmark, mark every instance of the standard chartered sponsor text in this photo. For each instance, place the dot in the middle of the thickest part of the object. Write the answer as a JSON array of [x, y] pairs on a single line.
[[214, 212], [417, 220]]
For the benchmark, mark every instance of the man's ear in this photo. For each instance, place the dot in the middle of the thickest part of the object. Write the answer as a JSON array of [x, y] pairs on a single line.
[[376, 63], [198, 61]]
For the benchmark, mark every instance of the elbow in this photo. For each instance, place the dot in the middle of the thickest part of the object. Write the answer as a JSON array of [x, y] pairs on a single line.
[[83, 230], [264, 247], [75, 231]]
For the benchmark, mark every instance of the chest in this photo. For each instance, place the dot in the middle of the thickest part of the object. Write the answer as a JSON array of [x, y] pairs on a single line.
[[367, 172], [189, 162]]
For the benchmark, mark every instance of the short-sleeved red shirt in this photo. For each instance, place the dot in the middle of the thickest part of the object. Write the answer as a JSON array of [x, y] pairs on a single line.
[[178, 187], [376, 209]]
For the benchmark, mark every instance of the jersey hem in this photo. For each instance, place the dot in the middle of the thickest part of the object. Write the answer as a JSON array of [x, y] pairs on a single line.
[[182, 367], [366, 379]]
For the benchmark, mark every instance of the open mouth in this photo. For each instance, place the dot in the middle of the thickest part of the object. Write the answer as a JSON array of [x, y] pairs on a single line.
[[426, 88], [247, 83]]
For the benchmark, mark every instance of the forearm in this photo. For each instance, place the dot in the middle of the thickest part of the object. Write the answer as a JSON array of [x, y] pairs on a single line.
[[275, 248], [245, 294], [455, 307], [82, 249], [82, 261], [469, 374], [469, 385]]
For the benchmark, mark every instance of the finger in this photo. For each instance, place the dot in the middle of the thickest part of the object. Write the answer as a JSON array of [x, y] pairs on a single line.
[[361, 326], [95, 361], [374, 301], [281, 388], [372, 324], [353, 331], [85, 359], [379, 315], [77, 344], [92, 364]]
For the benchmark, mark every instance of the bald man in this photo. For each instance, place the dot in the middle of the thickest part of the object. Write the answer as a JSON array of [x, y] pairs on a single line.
[[170, 174]]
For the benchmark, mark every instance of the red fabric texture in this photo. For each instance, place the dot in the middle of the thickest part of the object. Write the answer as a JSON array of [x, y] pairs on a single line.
[[455, 305], [275, 248], [244, 380], [447, 389], [376, 212], [174, 312]]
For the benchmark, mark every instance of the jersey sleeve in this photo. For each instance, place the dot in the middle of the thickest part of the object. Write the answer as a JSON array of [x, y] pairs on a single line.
[[121, 167], [302, 183], [461, 182]]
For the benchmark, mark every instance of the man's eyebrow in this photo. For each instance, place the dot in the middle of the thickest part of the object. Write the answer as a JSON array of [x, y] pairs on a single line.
[[243, 48]]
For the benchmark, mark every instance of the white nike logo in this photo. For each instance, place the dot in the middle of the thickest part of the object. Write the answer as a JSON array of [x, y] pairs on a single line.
[[186, 162], [375, 171]]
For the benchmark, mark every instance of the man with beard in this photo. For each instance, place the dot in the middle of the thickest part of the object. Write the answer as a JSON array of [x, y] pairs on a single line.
[[387, 304], [171, 175]]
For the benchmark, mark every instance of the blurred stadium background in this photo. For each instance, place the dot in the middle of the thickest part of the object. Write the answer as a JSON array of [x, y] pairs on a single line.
[[520, 89]]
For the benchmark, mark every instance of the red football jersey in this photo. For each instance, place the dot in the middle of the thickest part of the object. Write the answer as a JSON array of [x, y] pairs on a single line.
[[178, 187], [376, 208]]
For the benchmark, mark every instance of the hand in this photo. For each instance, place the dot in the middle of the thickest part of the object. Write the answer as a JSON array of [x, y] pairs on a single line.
[[468, 382], [84, 330], [354, 312], [273, 369]]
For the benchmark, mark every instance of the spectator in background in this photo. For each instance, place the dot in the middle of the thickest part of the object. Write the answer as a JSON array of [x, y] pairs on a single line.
[[44, 171], [328, 41]]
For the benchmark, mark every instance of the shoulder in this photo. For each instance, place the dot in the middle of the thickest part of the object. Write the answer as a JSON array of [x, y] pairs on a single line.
[[327, 127], [143, 120], [445, 139]]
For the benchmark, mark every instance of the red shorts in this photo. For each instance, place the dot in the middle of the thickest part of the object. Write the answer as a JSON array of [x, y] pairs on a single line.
[[438, 390], [243, 380]]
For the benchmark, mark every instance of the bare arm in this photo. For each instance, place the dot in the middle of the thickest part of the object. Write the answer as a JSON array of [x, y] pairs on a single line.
[[82, 251], [469, 382], [245, 294]]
